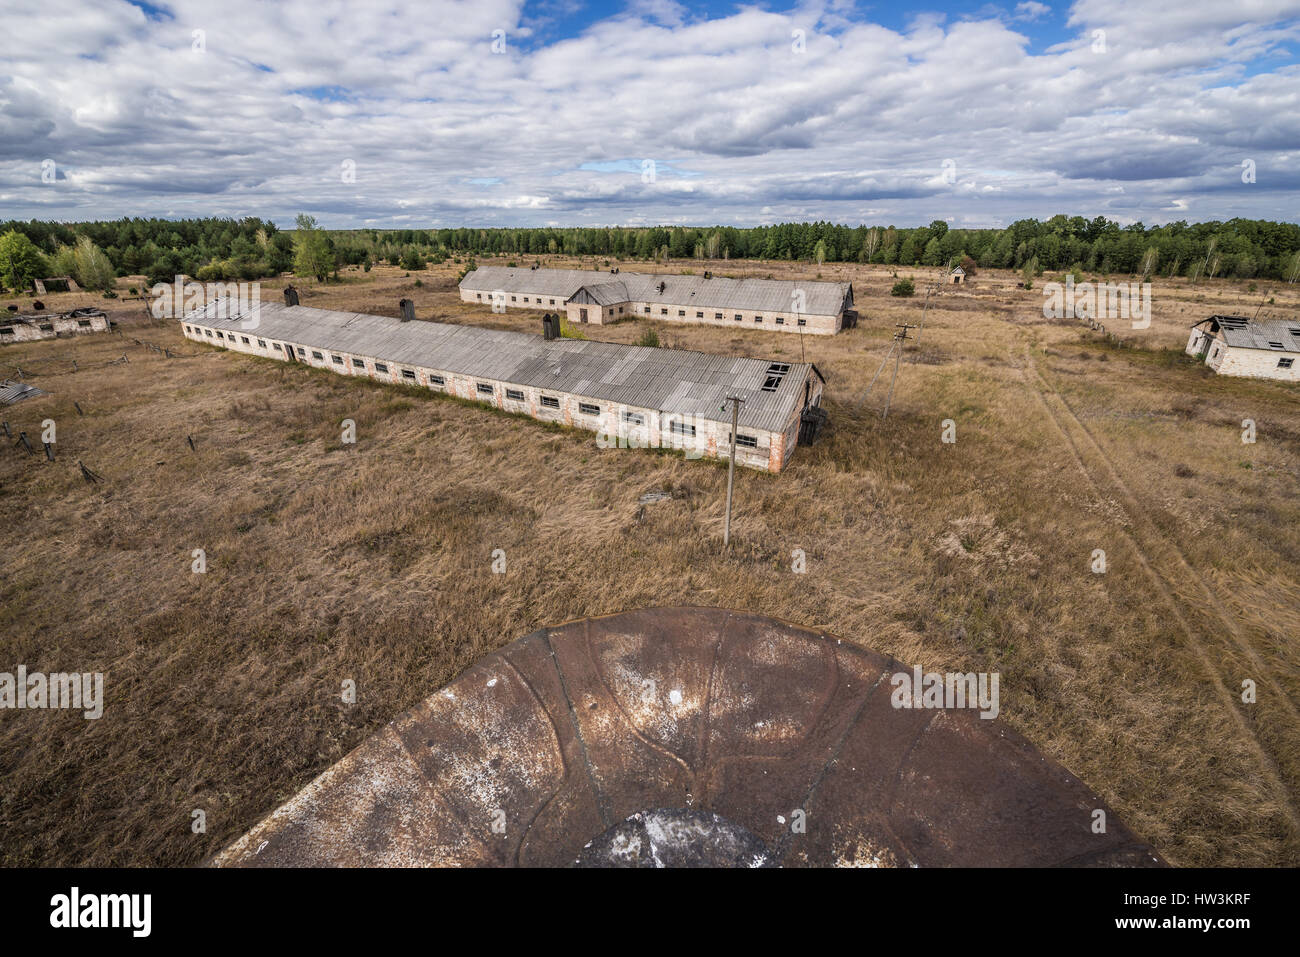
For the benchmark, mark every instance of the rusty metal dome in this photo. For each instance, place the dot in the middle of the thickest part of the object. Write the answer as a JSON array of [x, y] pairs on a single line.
[[688, 737]]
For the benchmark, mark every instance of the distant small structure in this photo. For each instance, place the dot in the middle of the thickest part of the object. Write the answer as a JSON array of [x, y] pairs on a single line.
[[957, 277], [32, 328], [1253, 348], [55, 284]]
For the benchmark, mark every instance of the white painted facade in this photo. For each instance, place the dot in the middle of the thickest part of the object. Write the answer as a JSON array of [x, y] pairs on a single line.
[[1254, 355]]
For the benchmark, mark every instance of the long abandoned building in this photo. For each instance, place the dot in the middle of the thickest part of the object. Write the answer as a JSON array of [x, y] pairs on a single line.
[[52, 325], [633, 396], [783, 305], [1255, 348]]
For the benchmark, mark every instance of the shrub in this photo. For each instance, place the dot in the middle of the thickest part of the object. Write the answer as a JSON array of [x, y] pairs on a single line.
[[904, 287], [567, 331], [649, 338]]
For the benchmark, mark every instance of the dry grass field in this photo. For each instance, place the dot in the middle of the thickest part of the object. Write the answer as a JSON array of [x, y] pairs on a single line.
[[372, 561]]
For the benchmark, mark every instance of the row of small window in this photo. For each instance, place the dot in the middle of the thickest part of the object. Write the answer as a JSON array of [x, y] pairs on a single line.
[[44, 327], [261, 343], [699, 314], [516, 299], [380, 367]]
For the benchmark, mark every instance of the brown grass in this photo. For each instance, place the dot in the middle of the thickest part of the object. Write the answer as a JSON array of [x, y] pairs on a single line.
[[373, 562]]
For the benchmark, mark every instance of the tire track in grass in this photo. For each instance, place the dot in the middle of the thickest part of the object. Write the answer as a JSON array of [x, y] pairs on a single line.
[[1284, 792]]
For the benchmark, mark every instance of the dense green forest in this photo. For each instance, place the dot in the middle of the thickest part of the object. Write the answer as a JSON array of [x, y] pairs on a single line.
[[251, 248]]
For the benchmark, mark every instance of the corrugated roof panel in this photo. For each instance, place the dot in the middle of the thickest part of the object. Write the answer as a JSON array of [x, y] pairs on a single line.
[[769, 296], [664, 379]]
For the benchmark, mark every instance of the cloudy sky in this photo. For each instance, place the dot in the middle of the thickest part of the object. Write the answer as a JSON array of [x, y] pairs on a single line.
[[502, 112]]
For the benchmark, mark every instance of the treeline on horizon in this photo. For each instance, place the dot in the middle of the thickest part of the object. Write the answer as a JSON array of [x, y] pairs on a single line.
[[251, 248]]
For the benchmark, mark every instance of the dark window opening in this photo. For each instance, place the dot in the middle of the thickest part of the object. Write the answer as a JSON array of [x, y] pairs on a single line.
[[775, 373], [550, 402], [681, 428], [514, 394], [485, 389], [586, 408]]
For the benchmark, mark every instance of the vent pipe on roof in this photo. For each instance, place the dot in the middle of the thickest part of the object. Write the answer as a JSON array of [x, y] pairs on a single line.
[[290, 296], [408, 310]]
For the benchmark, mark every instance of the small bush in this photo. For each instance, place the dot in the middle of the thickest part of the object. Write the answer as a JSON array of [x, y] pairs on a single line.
[[904, 287], [649, 338], [567, 331]]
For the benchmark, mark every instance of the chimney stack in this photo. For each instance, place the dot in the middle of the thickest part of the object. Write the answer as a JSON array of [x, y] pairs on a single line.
[[550, 326], [290, 296], [408, 310]]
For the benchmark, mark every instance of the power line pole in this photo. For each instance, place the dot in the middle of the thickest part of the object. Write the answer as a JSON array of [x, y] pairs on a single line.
[[731, 467], [898, 360]]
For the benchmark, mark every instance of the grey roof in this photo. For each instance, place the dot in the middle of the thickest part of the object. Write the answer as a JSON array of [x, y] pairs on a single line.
[[667, 380], [11, 392], [603, 293], [1244, 333], [757, 295]]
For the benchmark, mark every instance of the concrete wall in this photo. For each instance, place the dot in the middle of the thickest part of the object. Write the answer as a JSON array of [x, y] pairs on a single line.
[[1238, 361], [655, 429], [516, 300], [1254, 363], [714, 316], [58, 326]]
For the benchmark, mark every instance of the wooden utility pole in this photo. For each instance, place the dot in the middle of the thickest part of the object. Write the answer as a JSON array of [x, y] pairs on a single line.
[[731, 466], [898, 359]]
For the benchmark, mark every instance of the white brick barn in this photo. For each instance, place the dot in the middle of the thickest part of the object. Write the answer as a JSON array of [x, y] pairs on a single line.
[[781, 305], [634, 396], [1255, 348]]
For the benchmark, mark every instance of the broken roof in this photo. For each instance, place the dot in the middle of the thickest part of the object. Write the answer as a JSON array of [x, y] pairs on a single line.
[[760, 295], [1273, 335], [666, 380], [11, 392]]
